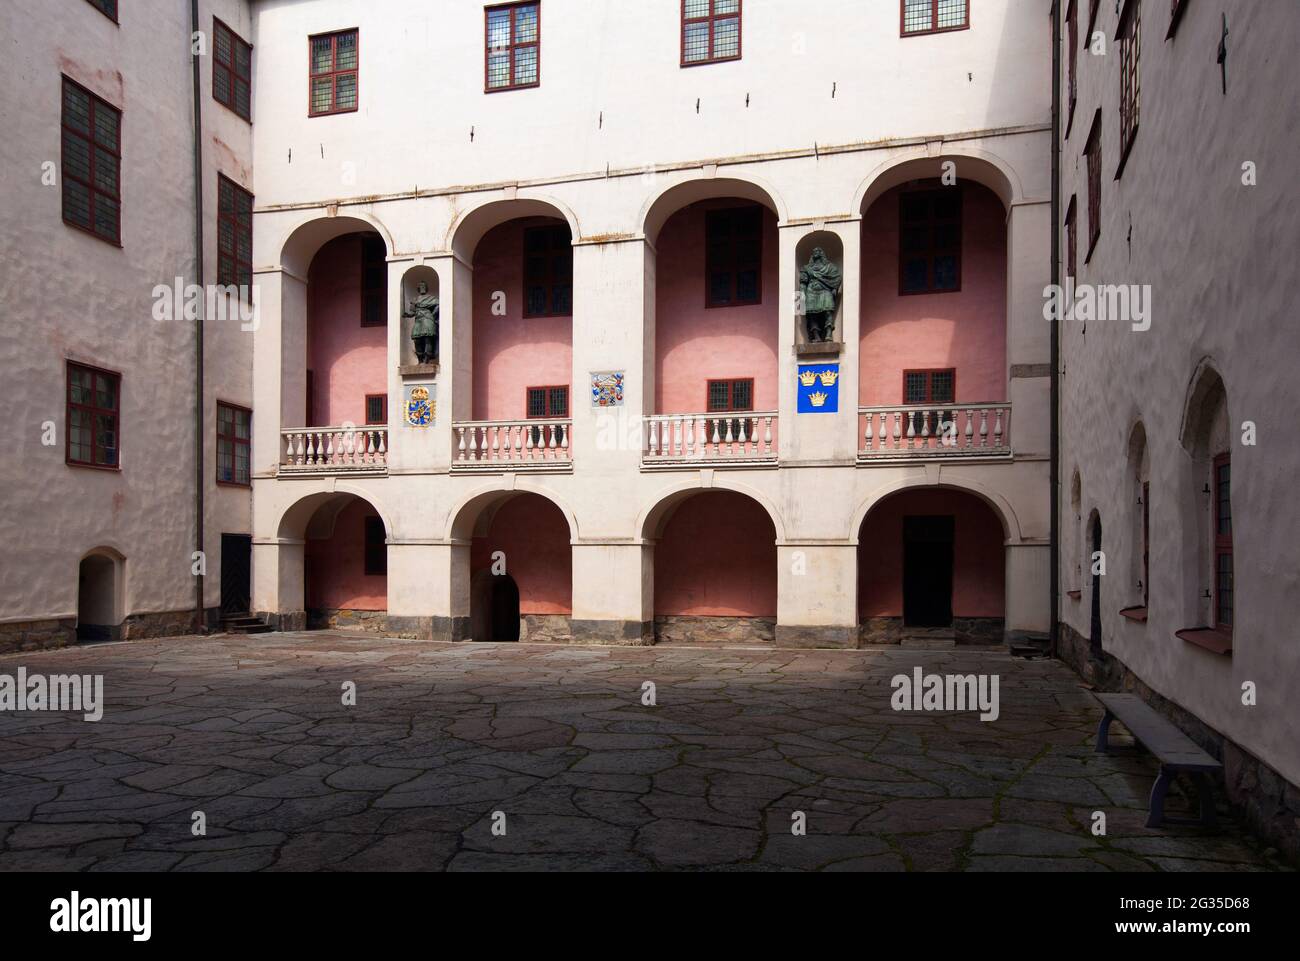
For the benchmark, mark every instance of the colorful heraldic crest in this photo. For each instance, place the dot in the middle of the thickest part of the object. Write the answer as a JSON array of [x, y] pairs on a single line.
[[819, 389], [607, 389], [419, 406]]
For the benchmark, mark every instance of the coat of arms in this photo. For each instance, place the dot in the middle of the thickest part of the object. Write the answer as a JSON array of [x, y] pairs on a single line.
[[607, 389], [419, 406]]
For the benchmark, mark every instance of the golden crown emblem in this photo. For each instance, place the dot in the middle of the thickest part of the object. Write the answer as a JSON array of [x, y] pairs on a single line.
[[818, 399], [828, 377], [420, 393], [808, 378]]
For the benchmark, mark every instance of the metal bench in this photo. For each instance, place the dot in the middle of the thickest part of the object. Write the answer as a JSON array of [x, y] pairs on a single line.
[[1175, 751]]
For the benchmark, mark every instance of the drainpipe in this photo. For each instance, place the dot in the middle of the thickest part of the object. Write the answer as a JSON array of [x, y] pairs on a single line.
[[1055, 576], [199, 437]]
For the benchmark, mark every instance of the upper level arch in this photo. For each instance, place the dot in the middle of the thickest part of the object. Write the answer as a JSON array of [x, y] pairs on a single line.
[[469, 228], [971, 163], [310, 235], [692, 189]]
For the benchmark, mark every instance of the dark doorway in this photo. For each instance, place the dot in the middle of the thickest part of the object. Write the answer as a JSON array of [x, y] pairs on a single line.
[[1094, 631], [927, 571], [503, 609], [236, 572]]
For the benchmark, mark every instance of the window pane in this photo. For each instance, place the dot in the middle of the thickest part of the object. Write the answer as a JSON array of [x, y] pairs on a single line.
[[747, 285], [105, 171], [498, 29], [742, 395], [559, 402], [76, 108], [526, 24], [345, 92], [105, 439], [697, 8], [952, 13], [76, 203], [221, 44], [916, 238], [221, 85], [916, 15], [242, 59], [321, 91], [536, 402], [525, 65], [941, 386], [719, 395], [242, 104], [499, 69], [225, 460], [76, 157], [725, 6], [346, 52], [915, 275], [321, 55], [106, 217], [945, 273], [726, 38], [696, 43], [720, 287]]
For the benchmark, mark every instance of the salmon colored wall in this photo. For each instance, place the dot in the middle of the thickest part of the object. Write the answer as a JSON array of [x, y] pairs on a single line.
[[695, 344], [347, 360], [514, 352], [717, 556], [966, 329], [336, 567], [979, 572], [534, 536]]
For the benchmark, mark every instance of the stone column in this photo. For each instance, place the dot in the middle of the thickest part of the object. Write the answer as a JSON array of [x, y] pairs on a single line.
[[817, 591], [1028, 608], [613, 593], [278, 582]]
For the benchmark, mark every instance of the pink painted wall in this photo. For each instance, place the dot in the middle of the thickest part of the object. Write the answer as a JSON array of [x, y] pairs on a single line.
[[978, 569], [347, 360], [336, 567], [513, 352], [717, 557], [534, 536], [966, 329], [695, 344]]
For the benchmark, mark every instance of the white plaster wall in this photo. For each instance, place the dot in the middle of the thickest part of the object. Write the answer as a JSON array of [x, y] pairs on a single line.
[[1220, 258], [67, 295]]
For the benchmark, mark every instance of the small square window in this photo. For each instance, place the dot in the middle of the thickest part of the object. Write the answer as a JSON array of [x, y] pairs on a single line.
[[376, 410], [710, 31], [234, 437], [333, 73], [92, 417], [933, 16], [512, 56]]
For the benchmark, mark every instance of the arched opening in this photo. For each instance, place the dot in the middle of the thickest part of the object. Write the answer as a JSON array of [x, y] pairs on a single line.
[[932, 569], [521, 570], [347, 333], [716, 321], [345, 564], [1209, 589], [715, 574], [99, 596], [933, 331]]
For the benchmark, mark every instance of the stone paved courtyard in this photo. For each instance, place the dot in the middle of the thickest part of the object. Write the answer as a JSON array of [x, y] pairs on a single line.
[[252, 732]]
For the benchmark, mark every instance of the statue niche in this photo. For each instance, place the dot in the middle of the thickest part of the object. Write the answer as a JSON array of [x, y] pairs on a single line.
[[423, 311], [820, 284]]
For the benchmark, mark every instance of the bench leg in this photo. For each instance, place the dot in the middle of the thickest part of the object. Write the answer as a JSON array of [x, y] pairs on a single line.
[[1156, 816], [1206, 797], [1103, 732]]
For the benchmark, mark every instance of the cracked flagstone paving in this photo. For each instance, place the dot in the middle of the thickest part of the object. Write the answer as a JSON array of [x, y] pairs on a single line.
[[252, 732]]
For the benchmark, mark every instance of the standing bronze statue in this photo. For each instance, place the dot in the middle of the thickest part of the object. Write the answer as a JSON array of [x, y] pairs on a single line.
[[424, 329], [820, 283]]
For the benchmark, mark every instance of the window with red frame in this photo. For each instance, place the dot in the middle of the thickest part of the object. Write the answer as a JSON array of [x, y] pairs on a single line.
[[232, 69], [548, 272], [736, 394], [1093, 153], [1072, 239], [376, 410], [234, 431], [376, 549], [234, 236], [514, 52], [374, 281], [1072, 21], [921, 387], [334, 77], [107, 7], [92, 159], [934, 16], [93, 408], [1129, 37], [1223, 585], [929, 241], [548, 402], [710, 31], [733, 244]]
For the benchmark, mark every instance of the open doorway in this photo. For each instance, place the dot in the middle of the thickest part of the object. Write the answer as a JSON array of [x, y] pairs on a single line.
[[236, 572], [927, 571], [99, 611], [494, 609]]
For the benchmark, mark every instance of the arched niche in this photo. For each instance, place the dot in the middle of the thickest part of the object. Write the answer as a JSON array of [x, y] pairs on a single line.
[[833, 247], [411, 280]]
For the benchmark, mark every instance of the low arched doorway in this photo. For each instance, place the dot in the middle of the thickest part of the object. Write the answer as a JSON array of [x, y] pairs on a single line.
[[931, 565], [99, 609], [494, 608]]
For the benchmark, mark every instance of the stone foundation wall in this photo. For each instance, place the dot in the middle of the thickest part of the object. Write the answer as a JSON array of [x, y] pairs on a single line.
[[545, 628], [345, 619], [39, 635], [1269, 803], [880, 630], [980, 630], [162, 624], [741, 631]]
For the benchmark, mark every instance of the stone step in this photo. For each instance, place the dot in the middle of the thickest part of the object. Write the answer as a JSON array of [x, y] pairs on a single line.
[[942, 639]]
